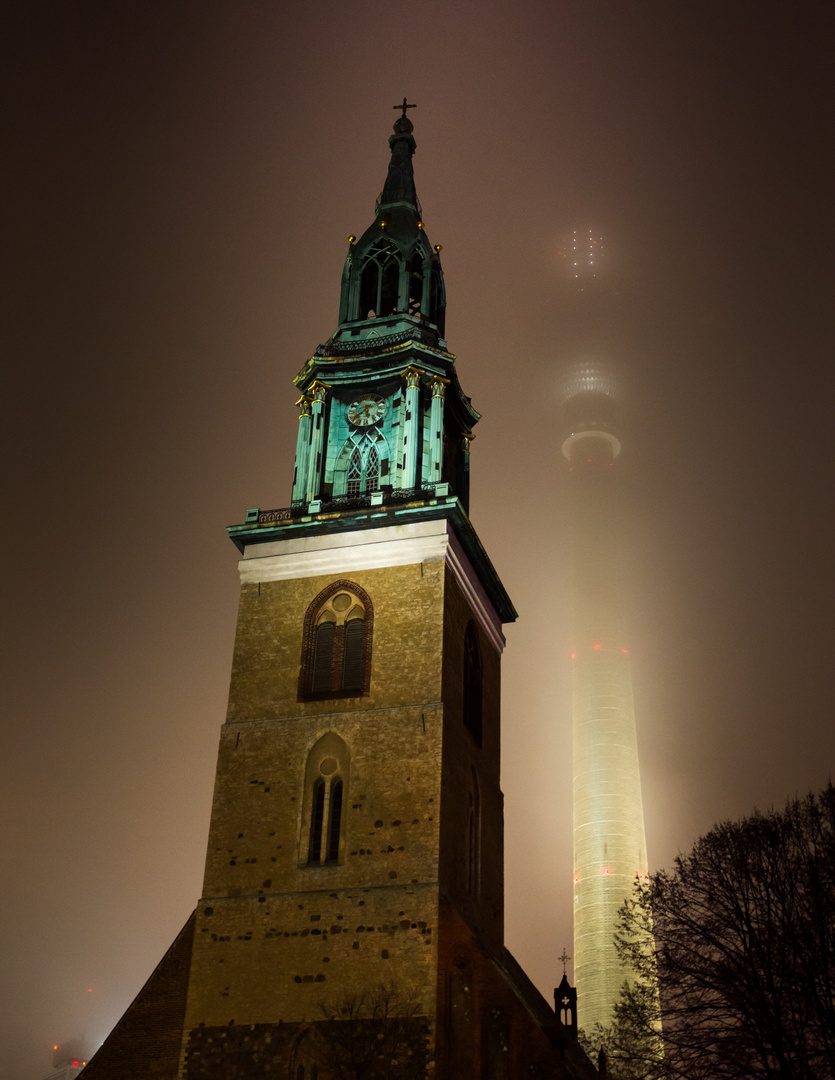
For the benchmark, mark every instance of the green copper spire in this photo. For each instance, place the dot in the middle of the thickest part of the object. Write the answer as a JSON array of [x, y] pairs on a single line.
[[383, 416], [399, 188], [392, 273]]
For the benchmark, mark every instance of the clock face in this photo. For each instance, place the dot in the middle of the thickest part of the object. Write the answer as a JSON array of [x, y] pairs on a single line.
[[366, 410]]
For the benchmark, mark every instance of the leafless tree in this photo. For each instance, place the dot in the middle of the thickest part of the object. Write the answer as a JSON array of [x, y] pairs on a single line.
[[740, 937]]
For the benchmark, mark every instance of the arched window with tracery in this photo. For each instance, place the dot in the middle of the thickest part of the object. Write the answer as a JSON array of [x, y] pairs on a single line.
[[473, 684], [379, 286], [362, 464], [325, 781], [336, 643]]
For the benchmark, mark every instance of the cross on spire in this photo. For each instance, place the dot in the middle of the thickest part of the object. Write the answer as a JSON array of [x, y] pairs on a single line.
[[565, 958], [404, 106]]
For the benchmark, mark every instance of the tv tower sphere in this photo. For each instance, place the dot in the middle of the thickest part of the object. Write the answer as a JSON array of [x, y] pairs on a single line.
[[609, 840]]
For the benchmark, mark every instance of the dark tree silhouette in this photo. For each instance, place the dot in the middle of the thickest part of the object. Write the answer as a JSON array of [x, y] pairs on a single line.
[[741, 939]]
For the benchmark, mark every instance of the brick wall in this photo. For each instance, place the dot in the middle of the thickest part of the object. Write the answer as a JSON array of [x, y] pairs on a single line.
[[145, 1044]]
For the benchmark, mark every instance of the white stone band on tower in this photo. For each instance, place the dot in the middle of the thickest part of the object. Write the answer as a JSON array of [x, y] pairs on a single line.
[[609, 840]]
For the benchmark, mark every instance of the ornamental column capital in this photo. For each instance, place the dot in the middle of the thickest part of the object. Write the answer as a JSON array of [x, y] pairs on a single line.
[[303, 405], [319, 391], [466, 439], [412, 376], [438, 385]]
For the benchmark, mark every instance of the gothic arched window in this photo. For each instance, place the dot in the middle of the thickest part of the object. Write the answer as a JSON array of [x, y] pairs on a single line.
[[305, 1055], [325, 780], [362, 464], [473, 677], [336, 644]]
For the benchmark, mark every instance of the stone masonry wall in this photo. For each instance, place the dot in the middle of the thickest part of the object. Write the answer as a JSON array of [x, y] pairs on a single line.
[[278, 939], [406, 659], [295, 956]]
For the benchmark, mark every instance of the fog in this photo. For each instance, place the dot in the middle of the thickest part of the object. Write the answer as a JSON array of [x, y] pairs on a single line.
[[182, 180]]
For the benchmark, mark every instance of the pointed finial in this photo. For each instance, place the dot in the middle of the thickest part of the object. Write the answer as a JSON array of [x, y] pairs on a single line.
[[565, 958], [403, 124]]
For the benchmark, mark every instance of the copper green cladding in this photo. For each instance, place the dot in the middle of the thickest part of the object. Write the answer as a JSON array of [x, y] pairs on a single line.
[[381, 407], [609, 841]]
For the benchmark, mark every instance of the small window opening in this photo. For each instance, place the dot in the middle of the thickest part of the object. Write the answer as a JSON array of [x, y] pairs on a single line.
[[334, 822], [323, 656], [323, 822], [390, 287], [372, 470], [368, 290], [316, 820]]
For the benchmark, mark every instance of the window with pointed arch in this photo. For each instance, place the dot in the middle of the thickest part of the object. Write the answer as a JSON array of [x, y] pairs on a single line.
[[325, 789], [473, 680], [362, 464], [336, 644], [380, 281], [305, 1055]]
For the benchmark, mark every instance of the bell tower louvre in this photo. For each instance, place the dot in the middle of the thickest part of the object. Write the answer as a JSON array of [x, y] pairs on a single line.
[[352, 915]]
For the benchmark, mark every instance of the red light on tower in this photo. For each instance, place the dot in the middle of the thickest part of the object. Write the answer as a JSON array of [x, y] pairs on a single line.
[[596, 645]]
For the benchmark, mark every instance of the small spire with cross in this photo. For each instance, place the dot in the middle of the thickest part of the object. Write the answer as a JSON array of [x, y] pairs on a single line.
[[404, 107], [565, 958]]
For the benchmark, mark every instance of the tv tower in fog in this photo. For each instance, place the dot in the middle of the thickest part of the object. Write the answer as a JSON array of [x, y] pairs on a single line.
[[609, 840]]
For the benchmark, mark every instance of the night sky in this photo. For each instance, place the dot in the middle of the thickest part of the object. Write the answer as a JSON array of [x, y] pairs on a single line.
[[180, 180]]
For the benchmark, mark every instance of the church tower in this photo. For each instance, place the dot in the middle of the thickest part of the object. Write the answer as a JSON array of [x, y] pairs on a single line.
[[353, 900], [609, 840]]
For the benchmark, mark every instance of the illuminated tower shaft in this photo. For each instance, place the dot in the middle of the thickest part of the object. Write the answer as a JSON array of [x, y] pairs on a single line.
[[609, 840]]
